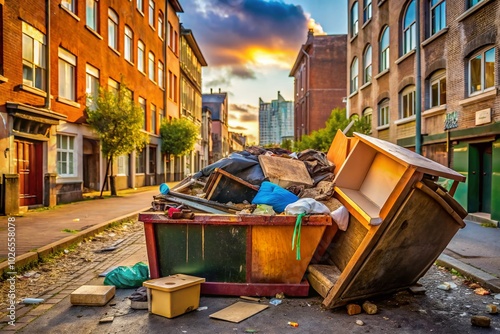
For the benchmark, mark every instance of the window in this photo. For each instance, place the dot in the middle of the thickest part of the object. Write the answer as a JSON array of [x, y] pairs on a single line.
[[92, 86], [438, 89], [408, 102], [112, 29], [161, 79], [172, 38], [160, 24], [142, 104], [69, 5], [367, 116], [367, 10], [354, 19], [438, 15], [128, 44], [122, 165], [151, 66], [170, 85], [33, 57], [409, 26], [91, 14], [152, 13], [384, 50], [140, 56], [153, 118], [472, 3], [140, 5], [162, 116], [482, 71], [139, 161], [113, 86], [66, 155], [354, 75], [383, 113], [367, 65], [67, 64]]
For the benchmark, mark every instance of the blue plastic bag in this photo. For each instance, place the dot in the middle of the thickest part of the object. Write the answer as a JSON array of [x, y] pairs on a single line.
[[275, 196], [126, 277]]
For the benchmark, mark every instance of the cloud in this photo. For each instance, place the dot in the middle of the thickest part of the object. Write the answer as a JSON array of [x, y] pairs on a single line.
[[243, 72], [242, 107], [239, 32], [249, 117], [238, 128]]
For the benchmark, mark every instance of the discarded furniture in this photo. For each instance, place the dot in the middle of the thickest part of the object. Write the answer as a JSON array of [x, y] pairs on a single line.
[[400, 221], [224, 187], [237, 255]]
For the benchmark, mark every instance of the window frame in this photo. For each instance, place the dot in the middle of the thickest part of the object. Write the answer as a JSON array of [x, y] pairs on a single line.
[[122, 165], [36, 62], [151, 13], [383, 113], [113, 22], [472, 3], [151, 66], [153, 118], [407, 110], [367, 67], [367, 114], [367, 10], [92, 14], [140, 5], [128, 44], [409, 29], [141, 66], [70, 156], [140, 159], [482, 54], [354, 19], [440, 8], [161, 75], [69, 5], [161, 24], [143, 105], [354, 75], [91, 86], [67, 75], [437, 79], [384, 55]]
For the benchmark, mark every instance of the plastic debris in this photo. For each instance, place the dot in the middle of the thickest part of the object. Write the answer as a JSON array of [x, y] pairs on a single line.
[[202, 308], [33, 300], [360, 322], [275, 301], [293, 324]]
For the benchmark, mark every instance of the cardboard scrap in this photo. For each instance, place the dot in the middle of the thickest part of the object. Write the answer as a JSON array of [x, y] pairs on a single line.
[[238, 312]]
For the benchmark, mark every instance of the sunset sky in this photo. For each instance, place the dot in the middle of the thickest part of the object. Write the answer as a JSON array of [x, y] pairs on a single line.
[[251, 45]]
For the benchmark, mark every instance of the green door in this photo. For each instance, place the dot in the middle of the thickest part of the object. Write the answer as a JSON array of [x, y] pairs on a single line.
[[495, 181], [461, 165], [485, 177]]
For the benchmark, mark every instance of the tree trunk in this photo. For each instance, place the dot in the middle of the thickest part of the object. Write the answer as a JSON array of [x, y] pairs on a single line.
[[105, 178], [112, 183]]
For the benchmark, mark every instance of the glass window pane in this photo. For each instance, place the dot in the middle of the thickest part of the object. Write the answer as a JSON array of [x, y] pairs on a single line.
[[489, 68], [442, 91], [435, 94], [27, 47], [475, 74]]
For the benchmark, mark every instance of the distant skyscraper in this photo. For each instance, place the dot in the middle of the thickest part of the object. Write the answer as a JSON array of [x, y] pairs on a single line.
[[275, 121]]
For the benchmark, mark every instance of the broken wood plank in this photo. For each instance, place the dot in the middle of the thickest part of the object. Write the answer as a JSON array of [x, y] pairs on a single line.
[[224, 187], [285, 172], [238, 312]]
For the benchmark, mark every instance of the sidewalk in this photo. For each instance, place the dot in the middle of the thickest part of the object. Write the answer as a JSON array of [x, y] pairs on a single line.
[[41, 232], [474, 251]]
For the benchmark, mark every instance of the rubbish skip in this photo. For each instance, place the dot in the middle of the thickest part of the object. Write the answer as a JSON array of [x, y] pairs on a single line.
[[372, 189]]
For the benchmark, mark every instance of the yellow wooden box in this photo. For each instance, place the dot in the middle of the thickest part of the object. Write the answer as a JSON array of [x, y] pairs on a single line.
[[173, 295]]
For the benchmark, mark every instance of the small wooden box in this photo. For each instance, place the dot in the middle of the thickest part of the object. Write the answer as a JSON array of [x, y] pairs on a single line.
[[173, 295], [92, 295]]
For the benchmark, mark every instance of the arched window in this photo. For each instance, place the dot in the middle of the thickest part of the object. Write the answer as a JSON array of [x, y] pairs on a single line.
[[482, 71], [384, 49], [367, 117], [354, 75], [112, 29], [438, 15], [354, 19], [141, 50], [367, 64], [409, 26], [407, 106], [367, 10], [383, 112]]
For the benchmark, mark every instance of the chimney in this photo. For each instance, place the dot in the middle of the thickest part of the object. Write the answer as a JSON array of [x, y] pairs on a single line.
[[211, 90], [219, 89]]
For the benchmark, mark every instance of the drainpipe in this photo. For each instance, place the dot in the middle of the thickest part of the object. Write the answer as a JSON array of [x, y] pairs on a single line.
[[165, 83], [418, 92], [307, 91], [47, 54]]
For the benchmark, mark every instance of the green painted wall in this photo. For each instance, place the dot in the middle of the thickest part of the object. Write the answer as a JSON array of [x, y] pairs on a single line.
[[461, 165], [495, 181]]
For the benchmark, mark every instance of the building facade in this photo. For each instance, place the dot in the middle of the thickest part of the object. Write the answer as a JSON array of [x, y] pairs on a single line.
[[50, 64], [276, 121], [191, 62], [319, 74], [237, 142], [448, 100], [217, 105]]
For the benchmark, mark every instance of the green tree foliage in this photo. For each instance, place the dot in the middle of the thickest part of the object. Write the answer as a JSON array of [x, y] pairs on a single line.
[[178, 136], [118, 121], [321, 139]]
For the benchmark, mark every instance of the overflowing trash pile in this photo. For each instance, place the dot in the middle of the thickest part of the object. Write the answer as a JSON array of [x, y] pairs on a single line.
[[256, 181]]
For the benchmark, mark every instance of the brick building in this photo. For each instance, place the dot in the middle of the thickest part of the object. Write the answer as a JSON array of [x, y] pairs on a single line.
[[454, 88], [217, 105], [48, 65], [319, 75]]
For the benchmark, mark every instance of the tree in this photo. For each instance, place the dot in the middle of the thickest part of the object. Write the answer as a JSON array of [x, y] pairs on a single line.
[[119, 122], [322, 139], [178, 136]]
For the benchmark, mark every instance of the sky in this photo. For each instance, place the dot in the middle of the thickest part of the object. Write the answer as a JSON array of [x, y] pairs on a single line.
[[251, 45]]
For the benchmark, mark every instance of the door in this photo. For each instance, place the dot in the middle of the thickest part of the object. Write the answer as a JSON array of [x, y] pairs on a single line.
[[485, 177], [28, 160]]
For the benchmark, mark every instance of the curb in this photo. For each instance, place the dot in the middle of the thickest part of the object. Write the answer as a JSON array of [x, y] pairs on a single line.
[[486, 280], [44, 251]]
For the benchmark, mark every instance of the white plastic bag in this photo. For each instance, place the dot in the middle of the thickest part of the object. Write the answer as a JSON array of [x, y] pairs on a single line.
[[306, 205], [341, 217]]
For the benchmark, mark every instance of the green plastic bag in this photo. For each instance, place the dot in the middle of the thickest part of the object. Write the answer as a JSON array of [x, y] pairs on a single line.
[[126, 277]]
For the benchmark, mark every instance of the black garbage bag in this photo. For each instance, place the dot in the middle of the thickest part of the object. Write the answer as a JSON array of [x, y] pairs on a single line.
[[318, 165]]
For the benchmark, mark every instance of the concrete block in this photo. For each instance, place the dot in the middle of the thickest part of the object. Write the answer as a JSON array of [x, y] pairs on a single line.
[[92, 295]]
